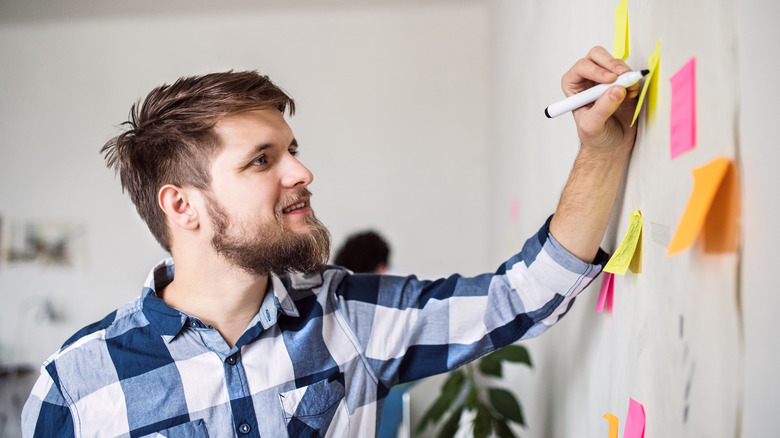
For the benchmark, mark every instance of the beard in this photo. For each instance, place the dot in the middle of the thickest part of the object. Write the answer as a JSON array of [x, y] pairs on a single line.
[[270, 248]]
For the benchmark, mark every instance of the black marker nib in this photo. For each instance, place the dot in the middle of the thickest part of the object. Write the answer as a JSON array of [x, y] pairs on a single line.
[[645, 72]]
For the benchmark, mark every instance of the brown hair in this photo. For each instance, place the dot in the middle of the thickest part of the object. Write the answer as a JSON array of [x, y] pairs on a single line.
[[170, 137]]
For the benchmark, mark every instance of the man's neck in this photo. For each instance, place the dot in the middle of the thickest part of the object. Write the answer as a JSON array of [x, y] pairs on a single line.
[[218, 294]]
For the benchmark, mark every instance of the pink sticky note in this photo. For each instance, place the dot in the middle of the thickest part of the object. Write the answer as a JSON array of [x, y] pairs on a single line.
[[514, 210], [635, 420], [683, 113], [605, 293], [610, 292]]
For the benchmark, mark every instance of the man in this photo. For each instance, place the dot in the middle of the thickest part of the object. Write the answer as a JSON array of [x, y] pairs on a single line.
[[367, 252], [364, 252], [254, 335]]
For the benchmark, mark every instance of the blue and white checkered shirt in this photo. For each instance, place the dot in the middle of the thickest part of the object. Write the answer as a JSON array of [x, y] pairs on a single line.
[[317, 360]]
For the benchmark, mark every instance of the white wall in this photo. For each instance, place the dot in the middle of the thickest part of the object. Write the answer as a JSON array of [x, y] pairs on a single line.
[[713, 375], [758, 34], [392, 115]]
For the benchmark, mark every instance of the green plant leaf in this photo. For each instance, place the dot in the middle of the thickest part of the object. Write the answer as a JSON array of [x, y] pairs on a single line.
[[433, 414], [506, 404], [490, 365], [449, 391], [502, 429], [453, 384], [450, 426], [472, 399], [482, 422], [515, 353]]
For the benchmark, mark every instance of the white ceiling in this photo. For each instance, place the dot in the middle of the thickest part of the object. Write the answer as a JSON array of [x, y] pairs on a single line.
[[14, 11]]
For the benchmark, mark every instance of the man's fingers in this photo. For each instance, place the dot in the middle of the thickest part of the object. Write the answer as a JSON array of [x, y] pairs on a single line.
[[583, 75], [605, 60], [598, 67], [632, 91], [592, 120]]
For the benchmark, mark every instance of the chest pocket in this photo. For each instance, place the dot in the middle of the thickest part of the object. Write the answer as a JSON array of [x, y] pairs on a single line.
[[193, 429], [308, 411]]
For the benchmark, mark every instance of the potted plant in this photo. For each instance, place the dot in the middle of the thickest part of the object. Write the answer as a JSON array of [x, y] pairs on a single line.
[[493, 408]]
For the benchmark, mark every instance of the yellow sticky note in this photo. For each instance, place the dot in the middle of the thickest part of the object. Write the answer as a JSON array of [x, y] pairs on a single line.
[[706, 182], [652, 65], [620, 47], [636, 261], [623, 256], [613, 425], [653, 96]]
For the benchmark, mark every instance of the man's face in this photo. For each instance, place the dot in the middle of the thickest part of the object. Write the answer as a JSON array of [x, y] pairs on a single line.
[[259, 203]]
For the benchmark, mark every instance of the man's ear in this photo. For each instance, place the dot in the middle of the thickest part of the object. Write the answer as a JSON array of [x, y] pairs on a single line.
[[177, 205]]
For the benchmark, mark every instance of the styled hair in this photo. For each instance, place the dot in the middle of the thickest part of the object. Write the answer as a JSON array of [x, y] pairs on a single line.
[[169, 138], [363, 252]]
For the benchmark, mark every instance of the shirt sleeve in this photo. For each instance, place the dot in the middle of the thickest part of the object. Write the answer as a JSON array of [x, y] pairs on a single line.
[[410, 328], [46, 414]]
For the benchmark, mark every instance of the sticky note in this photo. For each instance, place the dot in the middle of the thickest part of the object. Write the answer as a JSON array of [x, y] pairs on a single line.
[[683, 113], [620, 47], [606, 293], [706, 182], [618, 263], [721, 228], [514, 210], [653, 96], [652, 65], [635, 420], [636, 261], [613, 425]]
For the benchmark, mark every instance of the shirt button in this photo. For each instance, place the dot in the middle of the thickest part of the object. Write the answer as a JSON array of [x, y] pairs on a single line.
[[231, 360], [244, 428], [193, 324]]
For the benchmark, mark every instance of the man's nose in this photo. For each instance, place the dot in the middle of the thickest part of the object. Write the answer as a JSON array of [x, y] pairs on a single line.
[[295, 173]]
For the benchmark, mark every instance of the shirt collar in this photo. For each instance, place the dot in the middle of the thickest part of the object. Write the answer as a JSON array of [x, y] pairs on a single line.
[[169, 321]]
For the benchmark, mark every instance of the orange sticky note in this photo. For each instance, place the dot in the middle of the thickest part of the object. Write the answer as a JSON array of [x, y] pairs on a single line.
[[682, 124], [721, 228], [620, 47], [606, 293], [624, 255], [706, 182], [613, 425], [653, 65], [635, 420]]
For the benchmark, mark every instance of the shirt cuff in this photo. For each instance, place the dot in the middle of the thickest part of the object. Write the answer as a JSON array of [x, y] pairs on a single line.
[[563, 257]]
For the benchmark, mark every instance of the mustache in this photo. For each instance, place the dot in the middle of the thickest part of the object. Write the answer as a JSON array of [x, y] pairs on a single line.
[[290, 199]]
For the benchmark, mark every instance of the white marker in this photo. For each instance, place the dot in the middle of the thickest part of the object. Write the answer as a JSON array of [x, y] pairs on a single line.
[[583, 98]]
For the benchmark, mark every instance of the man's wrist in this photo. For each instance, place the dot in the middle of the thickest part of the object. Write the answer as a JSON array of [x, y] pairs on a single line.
[[605, 155]]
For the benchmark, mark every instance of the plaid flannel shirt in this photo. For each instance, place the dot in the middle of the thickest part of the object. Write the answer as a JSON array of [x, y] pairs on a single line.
[[317, 360]]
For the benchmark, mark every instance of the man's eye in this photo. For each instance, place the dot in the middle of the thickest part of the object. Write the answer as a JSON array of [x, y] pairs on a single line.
[[294, 152], [259, 161]]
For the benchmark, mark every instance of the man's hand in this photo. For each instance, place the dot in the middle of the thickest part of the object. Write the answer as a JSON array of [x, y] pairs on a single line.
[[605, 124], [604, 129]]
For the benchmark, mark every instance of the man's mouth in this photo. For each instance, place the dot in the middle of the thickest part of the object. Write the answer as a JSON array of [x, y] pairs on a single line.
[[297, 206]]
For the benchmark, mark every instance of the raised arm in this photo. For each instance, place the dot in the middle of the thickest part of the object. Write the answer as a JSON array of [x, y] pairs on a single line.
[[606, 139]]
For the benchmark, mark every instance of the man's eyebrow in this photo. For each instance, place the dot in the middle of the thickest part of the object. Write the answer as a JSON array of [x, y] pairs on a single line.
[[294, 142], [257, 150]]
